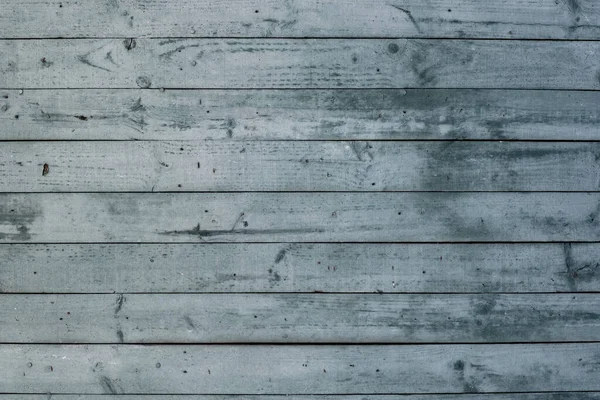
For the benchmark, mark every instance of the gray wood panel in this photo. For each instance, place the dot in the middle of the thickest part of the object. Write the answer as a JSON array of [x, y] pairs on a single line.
[[313, 217], [298, 63], [436, 114], [478, 396], [230, 268], [285, 369], [268, 166], [299, 318], [443, 18]]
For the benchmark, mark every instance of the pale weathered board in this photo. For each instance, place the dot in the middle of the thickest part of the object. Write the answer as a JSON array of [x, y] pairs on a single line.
[[465, 396], [298, 63], [297, 217], [557, 19], [287, 369], [267, 166], [422, 114], [231, 268], [299, 318]]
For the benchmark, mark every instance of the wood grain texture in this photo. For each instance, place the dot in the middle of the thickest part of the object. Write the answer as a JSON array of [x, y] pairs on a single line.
[[299, 318], [478, 396], [231, 268], [298, 166], [313, 217], [423, 114], [286, 369], [443, 18], [298, 63]]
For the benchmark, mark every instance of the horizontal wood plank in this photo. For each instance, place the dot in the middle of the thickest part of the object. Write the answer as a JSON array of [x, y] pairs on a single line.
[[286, 369], [291, 217], [298, 63], [296, 18], [299, 318], [298, 166], [230, 268], [478, 396], [423, 114]]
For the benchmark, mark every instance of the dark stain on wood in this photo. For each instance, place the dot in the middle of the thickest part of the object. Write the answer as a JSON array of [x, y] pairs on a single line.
[[129, 44], [202, 233], [120, 301], [19, 216], [108, 385]]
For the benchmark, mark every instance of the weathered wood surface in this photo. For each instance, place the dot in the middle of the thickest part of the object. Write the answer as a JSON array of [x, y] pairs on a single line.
[[466, 396], [298, 166], [298, 63], [293, 217], [445, 18], [231, 268], [423, 114], [299, 318], [286, 369]]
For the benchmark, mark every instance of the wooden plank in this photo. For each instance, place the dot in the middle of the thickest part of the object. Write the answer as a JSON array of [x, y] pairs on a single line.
[[228, 268], [423, 114], [299, 318], [296, 18], [478, 396], [298, 166], [298, 63], [290, 217], [285, 369]]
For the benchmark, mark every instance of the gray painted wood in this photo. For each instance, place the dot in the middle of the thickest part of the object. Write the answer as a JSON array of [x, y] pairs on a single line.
[[299, 318], [298, 166], [293, 217], [298, 63], [436, 114], [478, 396], [231, 268], [286, 369], [447, 18]]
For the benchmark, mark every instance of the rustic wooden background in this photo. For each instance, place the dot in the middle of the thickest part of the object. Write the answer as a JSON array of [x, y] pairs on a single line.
[[299, 199]]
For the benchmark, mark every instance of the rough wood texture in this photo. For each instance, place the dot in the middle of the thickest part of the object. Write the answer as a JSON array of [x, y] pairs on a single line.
[[230, 268], [430, 114], [313, 217], [285, 369], [298, 63], [478, 396], [298, 166], [299, 318], [296, 18]]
